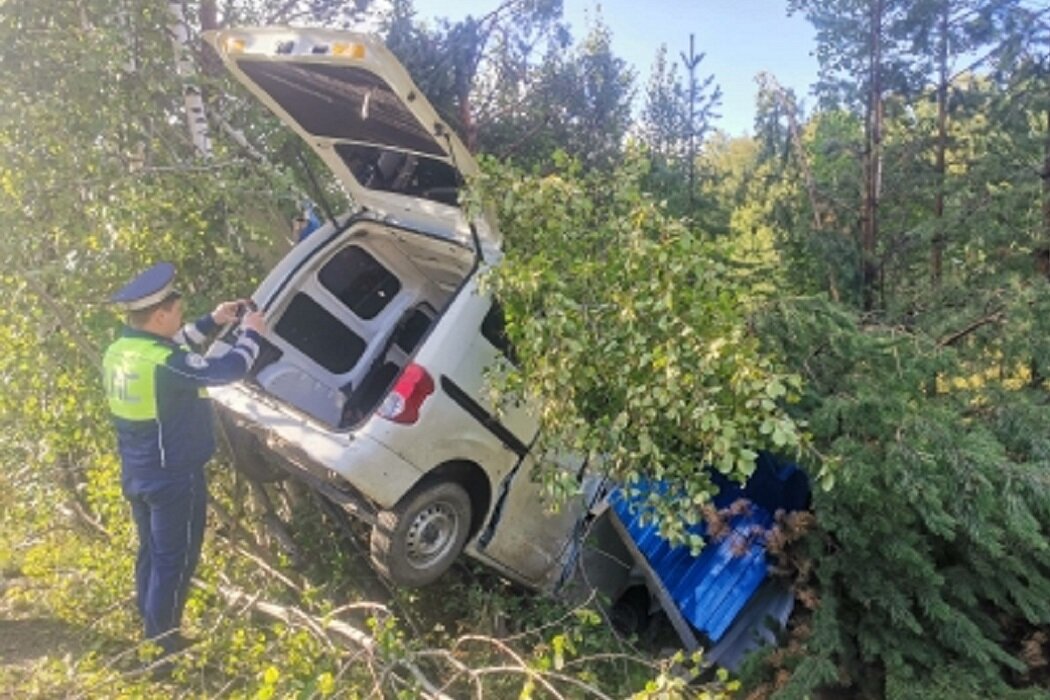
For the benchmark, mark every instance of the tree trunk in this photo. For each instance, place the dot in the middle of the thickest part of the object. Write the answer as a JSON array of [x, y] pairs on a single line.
[[208, 16], [821, 214], [1046, 181], [872, 164], [1042, 251], [196, 118], [466, 117], [795, 134], [472, 38], [939, 235]]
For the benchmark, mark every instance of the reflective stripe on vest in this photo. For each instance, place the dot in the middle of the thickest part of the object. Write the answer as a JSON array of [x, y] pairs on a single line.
[[130, 371]]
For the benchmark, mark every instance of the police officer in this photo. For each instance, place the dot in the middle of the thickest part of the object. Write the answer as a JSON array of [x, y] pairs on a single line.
[[155, 385]]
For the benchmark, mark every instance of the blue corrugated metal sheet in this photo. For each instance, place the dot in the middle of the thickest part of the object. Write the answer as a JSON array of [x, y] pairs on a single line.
[[712, 588]]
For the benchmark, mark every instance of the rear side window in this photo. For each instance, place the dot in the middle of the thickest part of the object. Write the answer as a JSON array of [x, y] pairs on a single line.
[[320, 335], [412, 328], [395, 171], [360, 281], [494, 329]]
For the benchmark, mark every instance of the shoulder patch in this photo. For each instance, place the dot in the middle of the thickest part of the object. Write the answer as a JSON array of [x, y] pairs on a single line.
[[196, 361]]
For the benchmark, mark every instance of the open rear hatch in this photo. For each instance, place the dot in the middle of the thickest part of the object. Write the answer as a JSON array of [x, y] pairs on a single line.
[[351, 100]]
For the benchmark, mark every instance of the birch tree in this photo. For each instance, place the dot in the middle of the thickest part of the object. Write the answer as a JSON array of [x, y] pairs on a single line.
[[195, 115]]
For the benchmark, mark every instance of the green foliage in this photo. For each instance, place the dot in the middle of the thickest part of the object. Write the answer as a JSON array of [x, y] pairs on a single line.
[[944, 493], [513, 82], [665, 116], [577, 100], [99, 180], [859, 43], [673, 125], [676, 680], [934, 406], [648, 345], [632, 336]]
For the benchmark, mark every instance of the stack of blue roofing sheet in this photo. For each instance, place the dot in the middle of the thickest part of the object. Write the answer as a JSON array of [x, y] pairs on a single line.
[[712, 588]]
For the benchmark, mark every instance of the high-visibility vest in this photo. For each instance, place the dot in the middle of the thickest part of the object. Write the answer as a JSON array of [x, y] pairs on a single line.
[[130, 371]]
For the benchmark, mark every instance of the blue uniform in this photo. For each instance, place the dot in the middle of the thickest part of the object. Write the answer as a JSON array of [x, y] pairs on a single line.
[[165, 435]]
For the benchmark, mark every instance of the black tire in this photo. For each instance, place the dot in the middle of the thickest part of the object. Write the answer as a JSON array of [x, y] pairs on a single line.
[[417, 540], [630, 612]]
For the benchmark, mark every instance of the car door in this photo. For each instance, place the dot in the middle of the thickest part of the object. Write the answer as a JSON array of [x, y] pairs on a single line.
[[524, 535]]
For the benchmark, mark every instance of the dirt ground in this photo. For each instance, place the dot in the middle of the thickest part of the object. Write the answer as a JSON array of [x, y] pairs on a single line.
[[24, 641], [27, 640]]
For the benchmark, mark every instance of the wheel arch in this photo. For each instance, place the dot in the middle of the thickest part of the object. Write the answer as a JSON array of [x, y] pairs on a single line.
[[474, 481]]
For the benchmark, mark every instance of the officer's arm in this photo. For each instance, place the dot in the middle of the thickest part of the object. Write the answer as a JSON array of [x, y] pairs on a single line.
[[223, 369], [194, 334]]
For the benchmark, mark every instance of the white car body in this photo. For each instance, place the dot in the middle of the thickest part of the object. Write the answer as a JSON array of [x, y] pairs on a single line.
[[393, 285]]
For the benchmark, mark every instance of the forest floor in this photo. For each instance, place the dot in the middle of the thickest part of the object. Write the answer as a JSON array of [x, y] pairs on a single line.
[[28, 639]]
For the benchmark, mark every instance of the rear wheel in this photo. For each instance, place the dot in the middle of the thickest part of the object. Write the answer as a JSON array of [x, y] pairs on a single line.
[[417, 540]]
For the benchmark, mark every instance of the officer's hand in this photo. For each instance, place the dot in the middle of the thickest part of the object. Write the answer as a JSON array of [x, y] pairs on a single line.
[[228, 311], [253, 320]]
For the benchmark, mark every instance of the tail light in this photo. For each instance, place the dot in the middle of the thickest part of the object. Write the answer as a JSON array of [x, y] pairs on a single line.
[[403, 402]]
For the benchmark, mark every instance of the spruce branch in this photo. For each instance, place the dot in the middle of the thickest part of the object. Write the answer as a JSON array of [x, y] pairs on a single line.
[[995, 316]]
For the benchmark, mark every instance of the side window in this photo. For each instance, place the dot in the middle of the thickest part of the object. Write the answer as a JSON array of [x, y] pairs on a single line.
[[359, 281], [494, 329], [319, 335], [412, 327]]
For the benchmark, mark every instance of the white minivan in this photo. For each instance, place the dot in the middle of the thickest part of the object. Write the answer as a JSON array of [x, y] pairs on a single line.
[[372, 382]]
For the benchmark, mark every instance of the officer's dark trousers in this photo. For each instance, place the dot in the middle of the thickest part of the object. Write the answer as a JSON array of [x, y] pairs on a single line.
[[169, 514]]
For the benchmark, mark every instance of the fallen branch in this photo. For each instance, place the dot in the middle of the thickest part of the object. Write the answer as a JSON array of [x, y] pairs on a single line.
[[342, 522], [76, 502], [273, 523], [292, 616], [569, 680], [238, 137], [251, 550], [994, 317], [461, 669], [522, 666]]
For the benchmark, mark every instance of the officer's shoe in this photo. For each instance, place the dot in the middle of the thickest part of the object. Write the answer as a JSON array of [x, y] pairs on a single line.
[[177, 643], [161, 669], [171, 646]]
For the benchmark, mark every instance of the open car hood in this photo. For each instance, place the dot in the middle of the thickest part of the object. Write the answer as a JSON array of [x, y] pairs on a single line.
[[355, 104]]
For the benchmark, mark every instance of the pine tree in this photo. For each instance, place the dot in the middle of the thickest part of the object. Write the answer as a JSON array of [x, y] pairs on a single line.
[[934, 545], [675, 120]]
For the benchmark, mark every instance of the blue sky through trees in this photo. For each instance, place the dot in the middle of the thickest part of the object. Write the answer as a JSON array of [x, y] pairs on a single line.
[[740, 38]]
